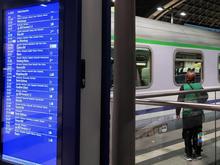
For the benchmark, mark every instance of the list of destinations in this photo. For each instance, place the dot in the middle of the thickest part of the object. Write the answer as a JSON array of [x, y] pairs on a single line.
[[31, 84]]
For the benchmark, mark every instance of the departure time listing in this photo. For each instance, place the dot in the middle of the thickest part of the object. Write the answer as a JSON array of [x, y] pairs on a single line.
[[31, 73]]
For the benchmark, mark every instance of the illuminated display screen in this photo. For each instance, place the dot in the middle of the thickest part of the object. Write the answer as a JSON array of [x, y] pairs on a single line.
[[30, 99]]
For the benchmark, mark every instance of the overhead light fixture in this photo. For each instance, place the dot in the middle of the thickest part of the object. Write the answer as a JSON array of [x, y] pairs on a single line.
[[113, 0], [183, 14], [159, 8]]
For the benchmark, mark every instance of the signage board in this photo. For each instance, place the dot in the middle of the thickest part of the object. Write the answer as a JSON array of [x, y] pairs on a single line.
[[30, 94]]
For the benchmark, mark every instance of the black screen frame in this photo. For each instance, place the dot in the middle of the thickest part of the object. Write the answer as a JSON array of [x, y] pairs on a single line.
[[69, 90], [18, 4]]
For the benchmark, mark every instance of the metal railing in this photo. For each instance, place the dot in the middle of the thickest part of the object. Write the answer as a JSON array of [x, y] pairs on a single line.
[[178, 104], [161, 94], [142, 99]]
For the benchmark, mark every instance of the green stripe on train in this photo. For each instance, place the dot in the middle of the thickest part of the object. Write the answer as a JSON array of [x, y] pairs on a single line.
[[176, 44]]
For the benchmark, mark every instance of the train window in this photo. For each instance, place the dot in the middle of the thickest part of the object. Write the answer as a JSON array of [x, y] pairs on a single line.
[[143, 66], [219, 68], [184, 62]]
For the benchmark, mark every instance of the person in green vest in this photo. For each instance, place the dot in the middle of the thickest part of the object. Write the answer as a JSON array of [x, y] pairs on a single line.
[[192, 118]]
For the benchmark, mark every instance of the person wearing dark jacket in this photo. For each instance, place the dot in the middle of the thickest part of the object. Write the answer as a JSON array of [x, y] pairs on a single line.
[[192, 118]]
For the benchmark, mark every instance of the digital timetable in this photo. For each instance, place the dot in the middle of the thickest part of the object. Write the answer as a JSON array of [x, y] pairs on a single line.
[[30, 96]]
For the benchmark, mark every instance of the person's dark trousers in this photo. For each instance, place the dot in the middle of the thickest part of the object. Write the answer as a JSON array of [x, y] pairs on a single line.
[[197, 146], [190, 137], [187, 136]]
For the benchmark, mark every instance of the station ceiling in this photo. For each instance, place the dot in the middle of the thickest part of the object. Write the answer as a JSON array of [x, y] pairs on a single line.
[[198, 12]]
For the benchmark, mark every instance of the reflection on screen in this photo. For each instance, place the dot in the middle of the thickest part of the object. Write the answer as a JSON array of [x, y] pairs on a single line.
[[31, 84]]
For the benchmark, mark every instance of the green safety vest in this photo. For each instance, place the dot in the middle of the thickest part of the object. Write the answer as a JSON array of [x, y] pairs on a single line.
[[193, 98]]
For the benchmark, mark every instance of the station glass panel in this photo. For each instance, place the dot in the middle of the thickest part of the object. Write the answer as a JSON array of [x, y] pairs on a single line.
[[187, 61]]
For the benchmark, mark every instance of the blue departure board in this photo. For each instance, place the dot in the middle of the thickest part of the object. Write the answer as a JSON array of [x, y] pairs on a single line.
[[30, 99]]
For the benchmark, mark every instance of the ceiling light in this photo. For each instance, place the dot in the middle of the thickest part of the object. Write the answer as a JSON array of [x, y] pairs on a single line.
[[160, 9], [183, 14]]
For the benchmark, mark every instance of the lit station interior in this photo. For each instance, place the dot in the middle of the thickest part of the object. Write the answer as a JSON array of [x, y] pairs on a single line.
[[202, 13], [110, 82]]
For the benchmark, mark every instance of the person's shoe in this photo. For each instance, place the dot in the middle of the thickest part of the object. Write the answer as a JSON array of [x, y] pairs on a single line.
[[189, 158], [199, 157]]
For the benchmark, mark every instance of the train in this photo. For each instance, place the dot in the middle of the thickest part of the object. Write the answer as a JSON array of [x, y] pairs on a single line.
[[164, 53]]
